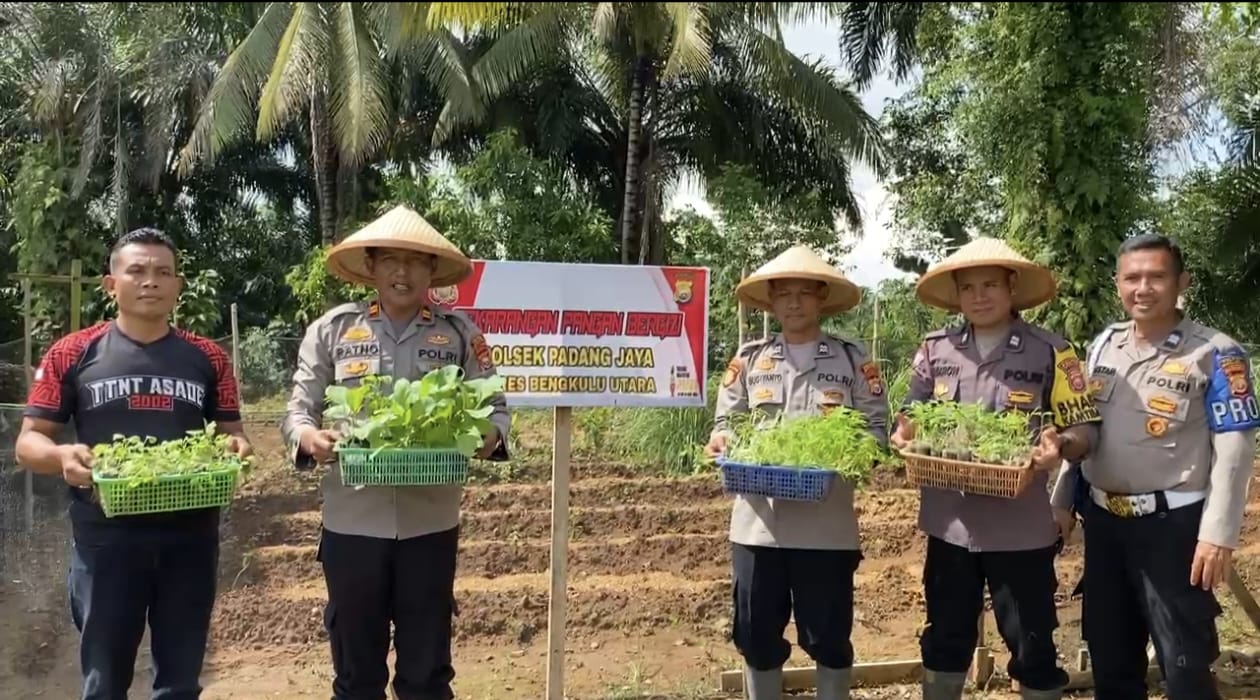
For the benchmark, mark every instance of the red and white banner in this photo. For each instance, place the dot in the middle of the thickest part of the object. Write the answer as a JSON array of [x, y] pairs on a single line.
[[590, 335]]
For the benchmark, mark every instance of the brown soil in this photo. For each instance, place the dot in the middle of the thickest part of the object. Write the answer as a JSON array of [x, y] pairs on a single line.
[[648, 591]]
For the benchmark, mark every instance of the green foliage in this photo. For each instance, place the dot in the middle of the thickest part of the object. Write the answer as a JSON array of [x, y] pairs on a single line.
[[143, 460], [199, 309], [508, 204], [1048, 106], [440, 410], [837, 440], [262, 365], [315, 290], [964, 431]]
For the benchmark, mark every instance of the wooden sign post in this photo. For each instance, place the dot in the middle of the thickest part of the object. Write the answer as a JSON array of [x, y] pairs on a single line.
[[561, 442]]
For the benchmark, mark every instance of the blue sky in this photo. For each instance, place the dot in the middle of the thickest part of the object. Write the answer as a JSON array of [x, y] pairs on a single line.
[[866, 264]]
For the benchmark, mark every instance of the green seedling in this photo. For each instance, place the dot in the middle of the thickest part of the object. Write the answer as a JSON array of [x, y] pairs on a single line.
[[143, 460], [839, 440]]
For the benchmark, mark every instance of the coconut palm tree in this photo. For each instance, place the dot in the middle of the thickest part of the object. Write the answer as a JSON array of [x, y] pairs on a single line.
[[664, 89]]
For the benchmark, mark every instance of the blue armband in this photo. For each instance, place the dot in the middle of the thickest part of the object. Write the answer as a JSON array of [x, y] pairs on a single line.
[[1231, 396]]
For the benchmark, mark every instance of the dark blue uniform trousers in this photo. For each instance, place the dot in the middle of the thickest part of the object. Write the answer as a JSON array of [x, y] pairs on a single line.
[[1022, 586], [771, 584], [374, 581], [1137, 584], [119, 577]]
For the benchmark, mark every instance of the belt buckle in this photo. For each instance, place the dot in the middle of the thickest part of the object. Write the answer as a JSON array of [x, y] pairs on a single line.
[[1120, 506]]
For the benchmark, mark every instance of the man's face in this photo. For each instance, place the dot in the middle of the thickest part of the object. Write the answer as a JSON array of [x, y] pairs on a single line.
[[144, 282], [795, 303], [1148, 284], [400, 276], [984, 293]]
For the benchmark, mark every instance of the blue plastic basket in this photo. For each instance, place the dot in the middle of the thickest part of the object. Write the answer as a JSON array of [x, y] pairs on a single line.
[[787, 483]]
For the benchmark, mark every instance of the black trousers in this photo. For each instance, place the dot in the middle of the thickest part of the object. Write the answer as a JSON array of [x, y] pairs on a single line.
[[770, 584], [120, 577], [1137, 585], [373, 582], [1022, 586]]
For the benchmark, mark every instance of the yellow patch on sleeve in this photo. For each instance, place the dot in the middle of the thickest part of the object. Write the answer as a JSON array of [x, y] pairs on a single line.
[[1070, 400]]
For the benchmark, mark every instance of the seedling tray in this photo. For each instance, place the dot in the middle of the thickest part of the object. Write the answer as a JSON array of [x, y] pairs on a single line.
[[785, 483], [165, 494], [999, 480], [362, 466]]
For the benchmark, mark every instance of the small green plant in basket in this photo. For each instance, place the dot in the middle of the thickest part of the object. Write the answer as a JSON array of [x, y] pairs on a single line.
[[839, 441], [141, 461], [136, 476], [441, 410], [968, 432]]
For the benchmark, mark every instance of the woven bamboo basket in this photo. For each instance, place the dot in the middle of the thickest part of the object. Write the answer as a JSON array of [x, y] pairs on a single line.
[[999, 480]]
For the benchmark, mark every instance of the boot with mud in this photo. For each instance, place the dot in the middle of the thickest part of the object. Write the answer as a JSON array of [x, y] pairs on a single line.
[[943, 686], [833, 683], [763, 685]]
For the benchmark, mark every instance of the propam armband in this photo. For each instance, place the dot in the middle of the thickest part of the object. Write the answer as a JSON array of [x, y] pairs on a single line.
[[1231, 396]]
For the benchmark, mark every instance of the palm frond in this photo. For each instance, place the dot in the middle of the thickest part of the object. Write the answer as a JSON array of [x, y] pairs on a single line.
[[228, 109], [288, 86], [90, 127], [814, 88], [444, 64], [359, 95], [520, 49], [869, 29], [1244, 143], [122, 173], [690, 39]]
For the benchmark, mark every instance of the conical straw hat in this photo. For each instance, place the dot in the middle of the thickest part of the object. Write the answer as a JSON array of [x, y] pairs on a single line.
[[799, 262], [399, 228], [1033, 283]]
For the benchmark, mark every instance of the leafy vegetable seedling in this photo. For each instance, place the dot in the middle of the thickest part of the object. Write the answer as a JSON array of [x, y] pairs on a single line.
[[838, 440], [968, 432], [441, 410], [144, 460]]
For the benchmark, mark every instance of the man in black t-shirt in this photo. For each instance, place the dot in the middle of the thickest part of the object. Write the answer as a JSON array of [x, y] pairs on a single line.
[[135, 375]]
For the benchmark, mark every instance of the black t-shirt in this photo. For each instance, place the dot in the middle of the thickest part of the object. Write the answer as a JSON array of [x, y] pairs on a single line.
[[112, 385]]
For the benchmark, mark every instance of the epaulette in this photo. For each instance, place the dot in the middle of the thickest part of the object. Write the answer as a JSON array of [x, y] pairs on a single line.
[[1050, 338], [752, 345], [350, 307], [846, 340]]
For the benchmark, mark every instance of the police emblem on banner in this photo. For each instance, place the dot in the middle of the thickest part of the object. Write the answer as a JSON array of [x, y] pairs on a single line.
[[444, 295], [682, 289]]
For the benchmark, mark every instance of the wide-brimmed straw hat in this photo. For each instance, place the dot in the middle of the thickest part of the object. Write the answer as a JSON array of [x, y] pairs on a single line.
[[1033, 284], [799, 262], [399, 228]]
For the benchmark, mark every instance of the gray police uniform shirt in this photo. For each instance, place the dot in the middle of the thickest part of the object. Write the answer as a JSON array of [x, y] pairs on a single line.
[[764, 375], [356, 340], [1179, 417], [1033, 370]]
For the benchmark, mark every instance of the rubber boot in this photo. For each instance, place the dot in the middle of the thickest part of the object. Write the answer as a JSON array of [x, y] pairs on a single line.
[[943, 686], [1030, 694], [833, 683], [763, 685]]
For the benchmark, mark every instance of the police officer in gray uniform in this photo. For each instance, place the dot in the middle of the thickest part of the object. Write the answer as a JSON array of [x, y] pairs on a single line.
[[1167, 484], [1003, 362], [388, 553], [794, 556]]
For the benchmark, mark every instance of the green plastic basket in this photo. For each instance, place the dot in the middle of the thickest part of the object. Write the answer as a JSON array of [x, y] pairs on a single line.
[[213, 489], [363, 466]]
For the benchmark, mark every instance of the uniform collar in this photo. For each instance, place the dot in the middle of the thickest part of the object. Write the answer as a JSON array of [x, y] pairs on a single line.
[[377, 316], [1173, 342], [1015, 339], [778, 351]]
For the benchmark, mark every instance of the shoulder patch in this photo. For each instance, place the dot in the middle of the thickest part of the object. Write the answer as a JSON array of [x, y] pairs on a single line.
[[734, 368], [1231, 393]]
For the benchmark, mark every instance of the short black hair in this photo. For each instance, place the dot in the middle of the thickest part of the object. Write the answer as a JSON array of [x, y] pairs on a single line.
[[142, 236], [1154, 241]]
